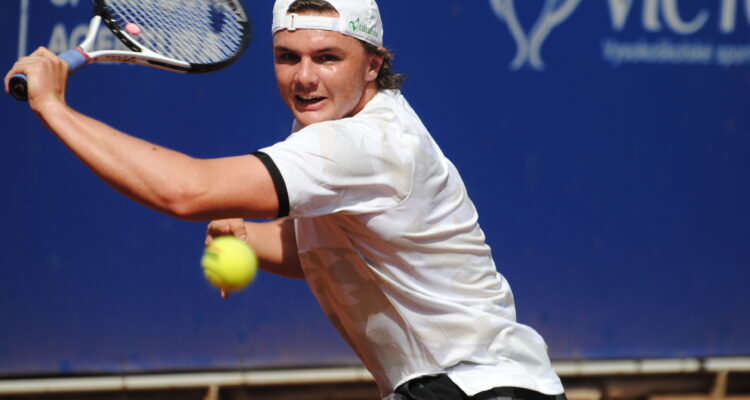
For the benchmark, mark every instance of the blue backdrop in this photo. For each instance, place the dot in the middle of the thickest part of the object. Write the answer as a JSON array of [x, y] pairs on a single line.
[[605, 143]]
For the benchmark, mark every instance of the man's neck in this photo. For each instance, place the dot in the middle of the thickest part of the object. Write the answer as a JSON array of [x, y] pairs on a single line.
[[370, 91]]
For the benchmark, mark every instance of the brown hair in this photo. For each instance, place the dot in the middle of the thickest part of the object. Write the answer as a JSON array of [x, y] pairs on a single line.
[[387, 79]]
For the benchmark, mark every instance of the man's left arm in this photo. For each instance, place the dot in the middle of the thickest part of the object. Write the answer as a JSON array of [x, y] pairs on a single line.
[[274, 243]]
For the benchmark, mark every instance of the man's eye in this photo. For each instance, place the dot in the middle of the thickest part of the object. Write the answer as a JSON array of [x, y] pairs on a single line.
[[286, 57], [328, 58]]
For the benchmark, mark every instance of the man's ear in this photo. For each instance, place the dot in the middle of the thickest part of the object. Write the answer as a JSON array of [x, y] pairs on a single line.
[[376, 62]]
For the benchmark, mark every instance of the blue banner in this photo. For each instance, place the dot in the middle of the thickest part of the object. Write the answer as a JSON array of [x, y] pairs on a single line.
[[606, 145]]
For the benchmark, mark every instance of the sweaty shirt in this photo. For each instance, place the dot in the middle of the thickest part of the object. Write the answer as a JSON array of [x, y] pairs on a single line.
[[390, 245]]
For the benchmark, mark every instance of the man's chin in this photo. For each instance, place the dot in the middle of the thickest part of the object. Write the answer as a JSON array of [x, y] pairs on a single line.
[[309, 118]]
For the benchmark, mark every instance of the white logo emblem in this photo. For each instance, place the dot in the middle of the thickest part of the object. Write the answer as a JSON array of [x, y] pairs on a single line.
[[529, 50]]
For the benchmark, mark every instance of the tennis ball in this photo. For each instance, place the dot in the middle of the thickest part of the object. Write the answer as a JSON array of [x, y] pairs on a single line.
[[229, 264]]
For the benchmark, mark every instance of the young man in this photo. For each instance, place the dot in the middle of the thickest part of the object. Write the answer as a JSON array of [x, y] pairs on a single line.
[[368, 210]]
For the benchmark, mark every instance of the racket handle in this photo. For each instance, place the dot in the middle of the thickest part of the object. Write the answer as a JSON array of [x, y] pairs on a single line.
[[17, 87], [75, 58]]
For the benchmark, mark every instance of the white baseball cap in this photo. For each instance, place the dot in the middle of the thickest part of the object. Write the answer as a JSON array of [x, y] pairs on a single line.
[[357, 18]]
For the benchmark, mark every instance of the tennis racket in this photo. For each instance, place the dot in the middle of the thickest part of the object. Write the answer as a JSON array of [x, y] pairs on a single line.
[[191, 36]]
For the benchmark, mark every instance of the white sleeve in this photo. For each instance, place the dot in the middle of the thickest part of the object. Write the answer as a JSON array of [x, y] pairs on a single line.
[[342, 166]]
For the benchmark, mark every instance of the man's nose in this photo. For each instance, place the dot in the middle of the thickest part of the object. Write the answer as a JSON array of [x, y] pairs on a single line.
[[307, 76]]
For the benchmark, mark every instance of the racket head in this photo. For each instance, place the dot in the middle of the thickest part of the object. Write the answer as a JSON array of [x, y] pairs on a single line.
[[206, 34]]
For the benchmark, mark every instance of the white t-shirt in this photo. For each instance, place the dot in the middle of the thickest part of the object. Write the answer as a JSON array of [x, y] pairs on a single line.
[[390, 245]]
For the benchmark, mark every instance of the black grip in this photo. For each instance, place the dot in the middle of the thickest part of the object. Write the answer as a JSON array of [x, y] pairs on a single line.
[[17, 86]]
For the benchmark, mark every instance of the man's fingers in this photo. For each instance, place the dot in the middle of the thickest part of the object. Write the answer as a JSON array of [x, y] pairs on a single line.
[[43, 52], [237, 227], [41, 64], [224, 227], [216, 229], [219, 227], [13, 70]]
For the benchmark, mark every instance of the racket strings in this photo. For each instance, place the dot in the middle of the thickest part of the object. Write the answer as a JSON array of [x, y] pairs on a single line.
[[195, 31]]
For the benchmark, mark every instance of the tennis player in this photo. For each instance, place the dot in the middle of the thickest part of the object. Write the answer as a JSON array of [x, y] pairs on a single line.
[[366, 208]]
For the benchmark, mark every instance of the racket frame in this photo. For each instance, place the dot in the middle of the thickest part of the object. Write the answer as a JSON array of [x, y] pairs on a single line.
[[140, 54], [137, 54]]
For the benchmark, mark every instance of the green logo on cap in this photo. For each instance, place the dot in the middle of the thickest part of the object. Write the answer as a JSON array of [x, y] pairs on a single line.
[[356, 25]]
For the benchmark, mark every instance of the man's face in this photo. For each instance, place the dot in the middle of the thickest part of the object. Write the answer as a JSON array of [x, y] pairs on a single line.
[[322, 75]]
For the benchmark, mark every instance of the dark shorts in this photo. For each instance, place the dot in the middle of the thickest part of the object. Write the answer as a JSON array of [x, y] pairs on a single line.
[[440, 387]]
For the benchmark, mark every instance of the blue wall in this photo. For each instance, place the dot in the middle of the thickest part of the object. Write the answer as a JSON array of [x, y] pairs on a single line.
[[610, 168]]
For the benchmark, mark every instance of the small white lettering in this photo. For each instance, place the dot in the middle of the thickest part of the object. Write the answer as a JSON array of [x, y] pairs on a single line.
[[665, 51], [732, 55]]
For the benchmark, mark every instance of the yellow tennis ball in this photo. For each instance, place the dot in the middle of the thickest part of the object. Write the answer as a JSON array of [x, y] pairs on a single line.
[[229, 264]]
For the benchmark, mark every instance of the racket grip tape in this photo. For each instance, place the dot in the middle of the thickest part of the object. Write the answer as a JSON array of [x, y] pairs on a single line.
[[75, 58]]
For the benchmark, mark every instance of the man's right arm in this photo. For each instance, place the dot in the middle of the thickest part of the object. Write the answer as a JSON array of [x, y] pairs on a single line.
[[162, 179]]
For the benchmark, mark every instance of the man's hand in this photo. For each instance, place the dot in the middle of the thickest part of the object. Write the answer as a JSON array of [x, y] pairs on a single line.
[[274, 242], [46, 75], [224, 227]]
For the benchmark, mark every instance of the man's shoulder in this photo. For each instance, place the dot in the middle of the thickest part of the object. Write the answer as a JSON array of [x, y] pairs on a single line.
[[389, 107], [385, 100]]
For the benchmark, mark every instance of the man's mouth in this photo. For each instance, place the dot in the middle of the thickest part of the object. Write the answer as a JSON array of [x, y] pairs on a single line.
[[309, 100]]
